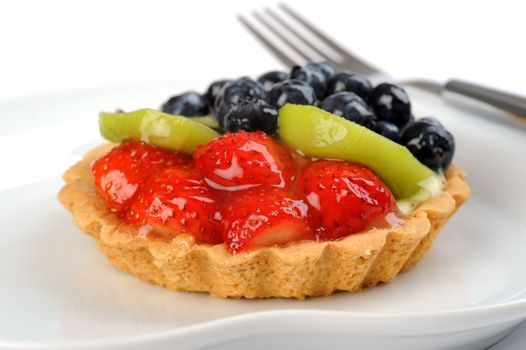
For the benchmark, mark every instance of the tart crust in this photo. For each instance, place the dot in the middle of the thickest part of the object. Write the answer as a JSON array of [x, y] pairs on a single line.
[[298, 270]]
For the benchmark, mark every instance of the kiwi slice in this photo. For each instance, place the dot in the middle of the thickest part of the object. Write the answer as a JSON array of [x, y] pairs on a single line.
[[318, 133], [207, 120], [168, 131]]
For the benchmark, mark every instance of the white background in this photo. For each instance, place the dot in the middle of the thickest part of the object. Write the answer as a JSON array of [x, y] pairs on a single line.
[[56, 45], [48, 46]]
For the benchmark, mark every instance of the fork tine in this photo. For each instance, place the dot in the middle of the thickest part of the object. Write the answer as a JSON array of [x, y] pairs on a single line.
[[282, 37], [314, 30], [286, 60], [301, 37], [353, 62]]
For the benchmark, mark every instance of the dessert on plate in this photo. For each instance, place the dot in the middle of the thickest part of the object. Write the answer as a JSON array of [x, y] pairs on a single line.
[[294, 185]]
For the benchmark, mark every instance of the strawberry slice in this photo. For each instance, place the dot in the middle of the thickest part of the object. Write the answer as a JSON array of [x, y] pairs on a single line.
[[244, 160], [175, 201], [119, 174], [264, 217], [343, 197]]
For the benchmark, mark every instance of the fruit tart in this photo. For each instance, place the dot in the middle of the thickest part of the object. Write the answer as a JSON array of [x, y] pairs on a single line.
[[292, 185]]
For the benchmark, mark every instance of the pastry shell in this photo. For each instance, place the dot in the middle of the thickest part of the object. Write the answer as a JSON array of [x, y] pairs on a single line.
[[298, 270]]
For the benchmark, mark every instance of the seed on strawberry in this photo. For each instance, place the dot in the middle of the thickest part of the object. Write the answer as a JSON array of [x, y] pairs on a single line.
[[119, 174], [264, 217], [243, 160], [175, 201], [343, 197]]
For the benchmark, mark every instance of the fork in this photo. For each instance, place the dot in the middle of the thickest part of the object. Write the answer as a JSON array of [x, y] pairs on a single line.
[[305, 46]]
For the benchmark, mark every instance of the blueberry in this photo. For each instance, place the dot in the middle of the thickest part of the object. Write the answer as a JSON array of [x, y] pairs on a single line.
[[312, 76], [291, 91], [359, 113], [327, 68], [252, 116], [391, 103], [238, 90], [430, 121], [270, 78], [234, 92], [213, 91], [388, 130], [430, 143], [336, 102], [350, 82], [351, 107], [188, 104]]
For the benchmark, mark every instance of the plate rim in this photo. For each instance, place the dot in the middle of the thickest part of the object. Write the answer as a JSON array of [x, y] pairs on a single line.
[[479, 316], [393, 324]]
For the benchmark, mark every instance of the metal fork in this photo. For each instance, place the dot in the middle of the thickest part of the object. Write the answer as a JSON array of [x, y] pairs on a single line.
[[311, 44]]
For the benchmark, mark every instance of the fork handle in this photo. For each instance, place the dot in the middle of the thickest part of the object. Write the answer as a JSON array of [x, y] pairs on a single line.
[[505, 101]]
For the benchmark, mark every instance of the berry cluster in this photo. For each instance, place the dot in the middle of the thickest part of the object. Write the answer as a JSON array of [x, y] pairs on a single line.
[[247, 105], [245, 189]]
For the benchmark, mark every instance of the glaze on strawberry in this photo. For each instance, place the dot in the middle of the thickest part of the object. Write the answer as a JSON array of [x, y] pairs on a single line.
[[244, 160], [343, 197], [246, 189], [119, 174], [263, 217], [174, 201]]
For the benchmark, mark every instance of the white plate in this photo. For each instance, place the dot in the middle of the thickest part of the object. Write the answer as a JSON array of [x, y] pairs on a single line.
[[58, 291]]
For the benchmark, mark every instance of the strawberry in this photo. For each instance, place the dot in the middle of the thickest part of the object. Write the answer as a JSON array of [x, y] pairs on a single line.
[[244, 160], [264, 217], [119, 174], [175, 201], [343, 197]]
